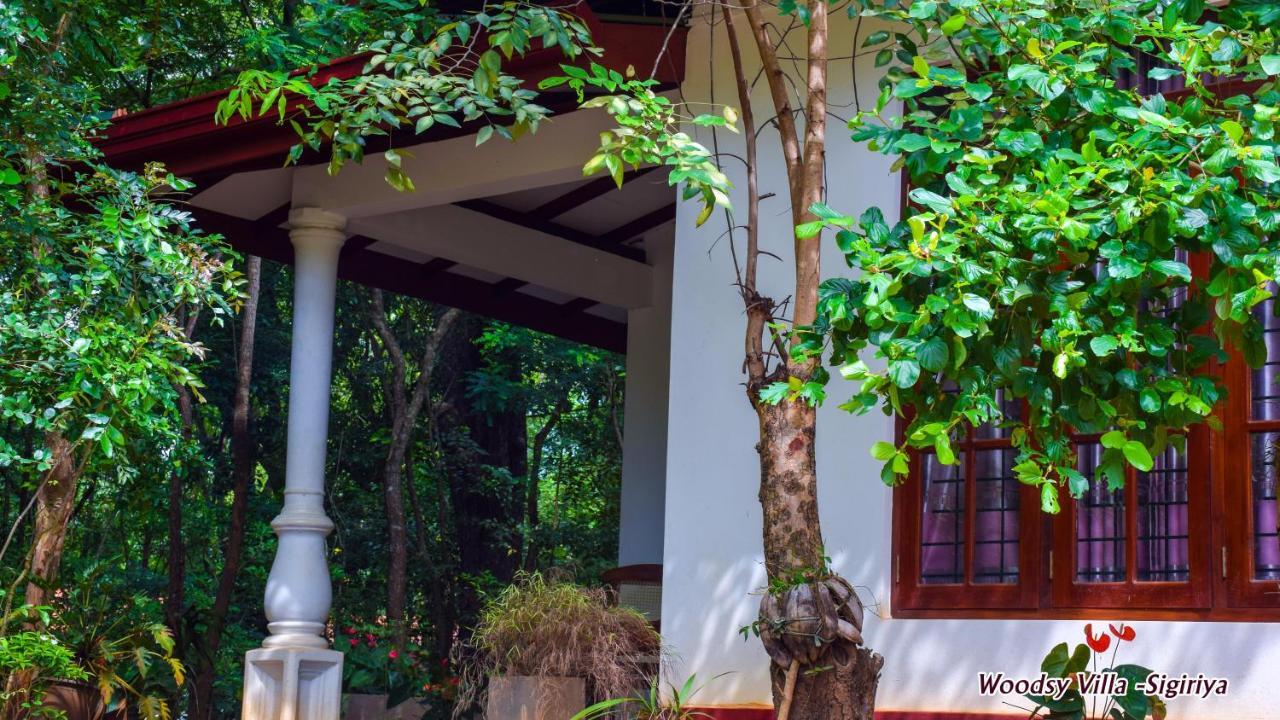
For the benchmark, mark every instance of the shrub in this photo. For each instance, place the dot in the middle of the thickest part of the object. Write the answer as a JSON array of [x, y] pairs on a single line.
[[553, 628]]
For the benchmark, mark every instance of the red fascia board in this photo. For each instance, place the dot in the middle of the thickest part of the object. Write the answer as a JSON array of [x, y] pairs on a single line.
[[184, 136]]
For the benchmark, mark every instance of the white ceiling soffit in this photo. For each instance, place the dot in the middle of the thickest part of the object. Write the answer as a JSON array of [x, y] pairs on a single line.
[[456, 169], [513, 251], [248, 195]]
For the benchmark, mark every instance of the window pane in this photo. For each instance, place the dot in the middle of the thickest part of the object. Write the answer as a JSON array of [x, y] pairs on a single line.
[[1163, 520], [942, 525], [1100, 526], [1266, 546], [1012, 409], [995, 552], [1263, 387]]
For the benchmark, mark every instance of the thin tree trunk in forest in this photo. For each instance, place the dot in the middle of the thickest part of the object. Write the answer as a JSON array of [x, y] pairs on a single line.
[[405, 406], [175, 596], [176, 565], [55, 499], [200, 700], [532, 478]]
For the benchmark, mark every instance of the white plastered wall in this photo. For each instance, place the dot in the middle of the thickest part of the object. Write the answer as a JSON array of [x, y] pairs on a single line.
[[644, 455], [712, 557]]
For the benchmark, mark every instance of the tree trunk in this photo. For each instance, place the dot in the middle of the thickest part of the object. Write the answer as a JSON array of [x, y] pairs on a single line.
[[404, 404], [532, 494], [844, 688], [834, 679], [200, 705], [55, 499], [175, 597], [397, 537]]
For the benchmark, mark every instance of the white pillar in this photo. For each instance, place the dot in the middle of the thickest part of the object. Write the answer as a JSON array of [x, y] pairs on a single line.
[[644, 444], [294, 675]]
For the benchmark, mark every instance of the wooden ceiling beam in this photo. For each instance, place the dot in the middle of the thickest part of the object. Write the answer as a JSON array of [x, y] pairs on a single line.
[[585, 193], [393, 274], [526, 220], [640, 225]]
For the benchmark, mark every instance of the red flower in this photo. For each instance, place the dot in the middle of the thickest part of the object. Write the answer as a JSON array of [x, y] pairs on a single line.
[[355, 642], [453, 681], [1124, 632], [368, 636], [1098, 644], [350, 631], [444, 662], [393, 655]]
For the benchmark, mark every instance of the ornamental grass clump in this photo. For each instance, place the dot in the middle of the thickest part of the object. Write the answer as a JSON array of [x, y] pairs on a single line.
[[545, 627]]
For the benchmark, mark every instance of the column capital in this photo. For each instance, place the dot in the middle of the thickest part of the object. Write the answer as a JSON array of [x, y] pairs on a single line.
[[306, 218]]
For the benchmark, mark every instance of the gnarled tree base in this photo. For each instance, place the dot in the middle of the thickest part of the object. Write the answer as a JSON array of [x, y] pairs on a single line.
[[841, 687]]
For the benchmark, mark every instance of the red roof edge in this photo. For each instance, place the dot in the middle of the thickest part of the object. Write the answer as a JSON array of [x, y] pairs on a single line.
[[184, 136]]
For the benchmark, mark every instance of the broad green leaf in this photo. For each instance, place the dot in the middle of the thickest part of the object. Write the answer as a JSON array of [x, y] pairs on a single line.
[[883, 451], [1137, 455]]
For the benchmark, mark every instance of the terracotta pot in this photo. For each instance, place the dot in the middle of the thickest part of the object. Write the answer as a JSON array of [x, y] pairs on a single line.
[[519, 697], [80, 701]]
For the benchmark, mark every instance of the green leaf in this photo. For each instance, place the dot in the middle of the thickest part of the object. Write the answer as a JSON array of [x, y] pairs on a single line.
[[1149, 400], [1113, 440], [921, 66], [904, 372], [1103, 345], [1137, 455], [953, 24], [883, 451], [1271, 64], [1049, 498], [933, 354], [942, 446], [978, 91], [876, 38], [809, 229], [932, 200], [775, 393], [484, 134]]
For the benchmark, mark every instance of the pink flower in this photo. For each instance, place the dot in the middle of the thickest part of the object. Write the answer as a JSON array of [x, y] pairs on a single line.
[[393, 655], [355, 642]]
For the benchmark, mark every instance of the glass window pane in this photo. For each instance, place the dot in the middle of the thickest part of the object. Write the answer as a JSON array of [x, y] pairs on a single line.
[[1163, 520], [995, 552], [1266, 545], [1100, 525], [942, 523], [1263, 382]]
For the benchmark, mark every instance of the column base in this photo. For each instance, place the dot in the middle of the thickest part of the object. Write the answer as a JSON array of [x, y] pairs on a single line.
[[292, 684]]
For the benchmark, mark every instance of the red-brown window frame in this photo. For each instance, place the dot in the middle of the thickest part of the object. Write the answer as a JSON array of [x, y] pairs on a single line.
[[1220, 586]]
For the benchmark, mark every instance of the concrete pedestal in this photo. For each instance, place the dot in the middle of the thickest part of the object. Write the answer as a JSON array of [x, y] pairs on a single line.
[[516, 697], [292, 684]]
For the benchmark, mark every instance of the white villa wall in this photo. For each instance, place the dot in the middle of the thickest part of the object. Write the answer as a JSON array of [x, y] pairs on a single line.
[[712, 557], [644, 443]]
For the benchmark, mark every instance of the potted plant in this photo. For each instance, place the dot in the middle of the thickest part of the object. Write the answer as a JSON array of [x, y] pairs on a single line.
[[542, 647], [125, 650], [380, 682], [34, 668]]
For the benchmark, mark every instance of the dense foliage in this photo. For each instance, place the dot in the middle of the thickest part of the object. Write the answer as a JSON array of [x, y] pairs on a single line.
[[117, 333], [449, 75], [1072, 245]]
